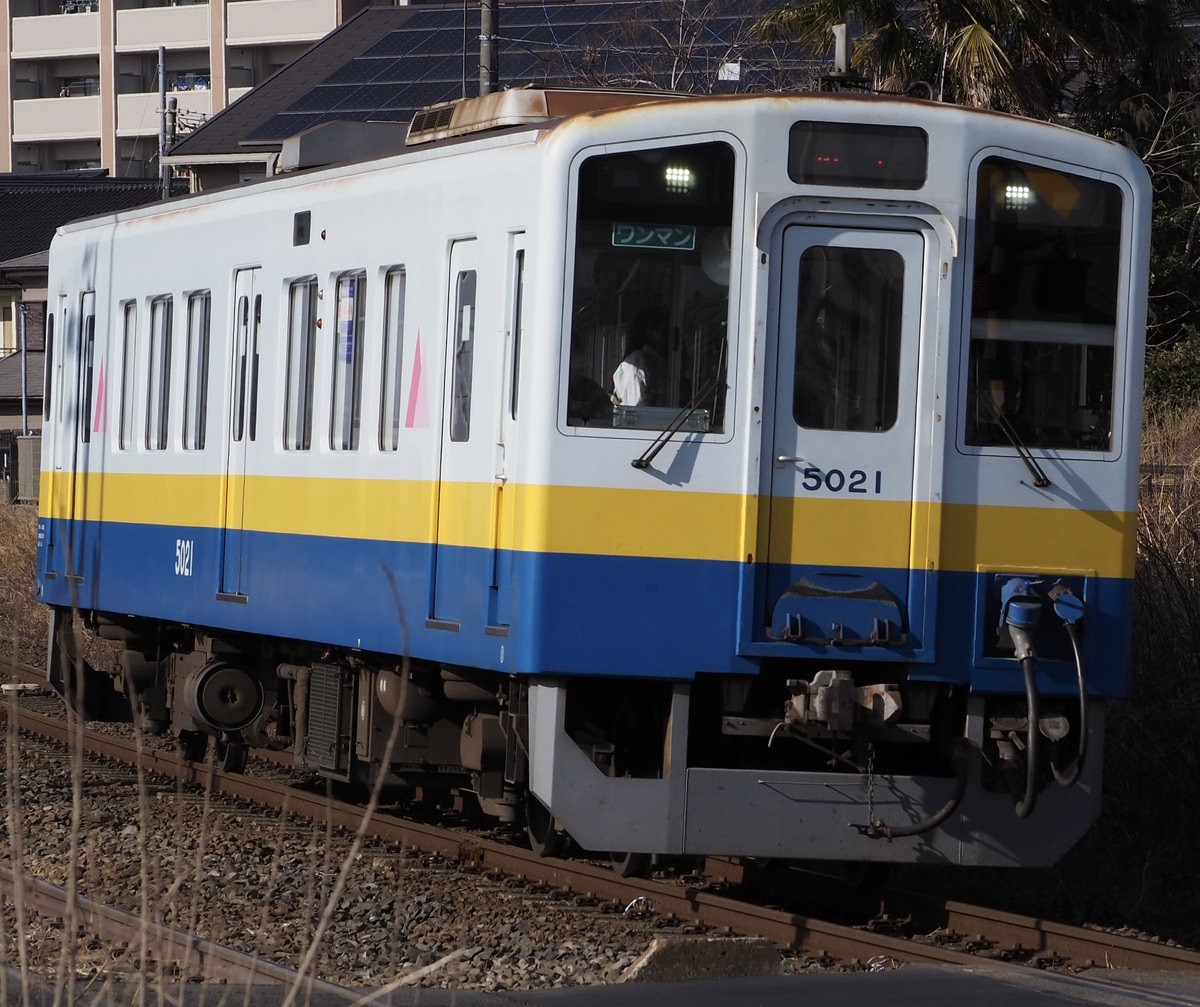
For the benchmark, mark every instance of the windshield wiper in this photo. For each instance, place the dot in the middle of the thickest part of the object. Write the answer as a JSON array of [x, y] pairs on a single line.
[[1040, 479], [676, 424]]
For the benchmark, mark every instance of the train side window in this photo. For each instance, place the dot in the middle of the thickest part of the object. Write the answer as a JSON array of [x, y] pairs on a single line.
[[47, 383], [301, 358], [347, 361], [254, 365], [87, 312], [1046, 277], [393, 359], [129, 327], [464, 355], [195, 393], [158, 397], [848, 338], [518, 305]]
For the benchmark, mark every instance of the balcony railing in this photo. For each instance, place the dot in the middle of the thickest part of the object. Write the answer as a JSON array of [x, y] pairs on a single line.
[[74, 118], [55, 35], [256, 22]]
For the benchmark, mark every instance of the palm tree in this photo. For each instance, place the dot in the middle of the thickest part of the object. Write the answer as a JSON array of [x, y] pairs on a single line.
[[1000, 54]]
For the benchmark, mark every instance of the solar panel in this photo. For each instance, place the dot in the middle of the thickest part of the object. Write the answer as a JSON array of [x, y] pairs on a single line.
[[421, 61]]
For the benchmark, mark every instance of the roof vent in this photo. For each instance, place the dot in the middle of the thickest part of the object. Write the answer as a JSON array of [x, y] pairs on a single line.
[[520, 107]]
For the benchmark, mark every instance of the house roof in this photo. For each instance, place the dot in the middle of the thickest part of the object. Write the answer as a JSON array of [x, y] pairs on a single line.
[[32, 206], [10, 375], [386, 62]]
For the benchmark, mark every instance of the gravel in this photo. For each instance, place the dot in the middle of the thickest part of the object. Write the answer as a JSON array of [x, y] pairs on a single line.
[[269, 885]]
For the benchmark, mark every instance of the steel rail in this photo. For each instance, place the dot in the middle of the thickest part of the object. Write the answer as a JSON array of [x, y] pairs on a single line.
[[1028, 938], [162, 943]]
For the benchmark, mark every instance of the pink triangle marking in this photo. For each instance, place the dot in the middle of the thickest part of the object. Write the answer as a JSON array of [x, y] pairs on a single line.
[[100, 423], [418, 410]]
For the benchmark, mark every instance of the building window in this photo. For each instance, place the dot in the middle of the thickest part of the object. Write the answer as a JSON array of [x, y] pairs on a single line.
[[158, 398], [47, 382], [195, 392], [347, 361], [301, 356], [393, 359]]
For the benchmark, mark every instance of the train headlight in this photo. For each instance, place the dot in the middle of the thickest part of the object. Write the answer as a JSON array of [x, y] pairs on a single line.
[[679, 179], [1017, 197]]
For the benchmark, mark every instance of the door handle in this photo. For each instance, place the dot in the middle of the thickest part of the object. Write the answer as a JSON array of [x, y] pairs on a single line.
[[787, 459]]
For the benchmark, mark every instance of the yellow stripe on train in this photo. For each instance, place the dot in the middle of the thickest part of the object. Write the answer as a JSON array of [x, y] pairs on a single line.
[[877, 534]]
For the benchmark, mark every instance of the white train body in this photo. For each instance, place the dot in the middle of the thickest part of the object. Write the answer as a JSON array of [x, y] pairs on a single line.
[[341, 452]]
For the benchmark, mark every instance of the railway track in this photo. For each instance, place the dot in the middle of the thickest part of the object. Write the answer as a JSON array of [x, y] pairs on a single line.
[[904, 929]]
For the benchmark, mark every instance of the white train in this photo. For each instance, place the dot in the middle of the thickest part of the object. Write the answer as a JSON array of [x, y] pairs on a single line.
[[678, 475]]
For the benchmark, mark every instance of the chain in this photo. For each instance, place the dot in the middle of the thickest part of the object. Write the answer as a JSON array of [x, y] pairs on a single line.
[[871, 783]]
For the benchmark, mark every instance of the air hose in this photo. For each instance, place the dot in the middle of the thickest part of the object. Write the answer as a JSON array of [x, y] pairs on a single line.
[[1068, 778], [1025, 805], [878, 830]]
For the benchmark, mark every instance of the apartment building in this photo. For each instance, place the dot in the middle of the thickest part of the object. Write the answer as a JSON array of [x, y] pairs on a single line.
[[79, 83]]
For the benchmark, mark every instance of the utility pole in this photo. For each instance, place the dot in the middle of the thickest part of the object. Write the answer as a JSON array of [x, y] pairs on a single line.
[[489, 58], [164, 173], [24, 326]]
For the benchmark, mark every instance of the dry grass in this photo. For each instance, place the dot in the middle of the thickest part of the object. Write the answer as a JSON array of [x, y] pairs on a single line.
[[22, 619]]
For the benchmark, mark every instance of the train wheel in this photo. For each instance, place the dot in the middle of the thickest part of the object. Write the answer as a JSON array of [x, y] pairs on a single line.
[[231, 756], [631, 865], [192, 745], [544, 839]]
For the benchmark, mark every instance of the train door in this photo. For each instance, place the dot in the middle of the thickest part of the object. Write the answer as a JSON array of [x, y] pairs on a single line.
[[240, 430], [508, 387], [70, 363], [840, 508], [463, 515]]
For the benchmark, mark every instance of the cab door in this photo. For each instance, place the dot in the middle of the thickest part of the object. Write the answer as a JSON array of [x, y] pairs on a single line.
[[839, 510]]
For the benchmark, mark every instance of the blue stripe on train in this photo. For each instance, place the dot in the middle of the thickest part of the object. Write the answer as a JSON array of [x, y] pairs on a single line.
[[553, 613]]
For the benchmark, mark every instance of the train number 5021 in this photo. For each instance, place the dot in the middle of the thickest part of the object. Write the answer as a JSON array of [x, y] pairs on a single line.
[[837, 481]]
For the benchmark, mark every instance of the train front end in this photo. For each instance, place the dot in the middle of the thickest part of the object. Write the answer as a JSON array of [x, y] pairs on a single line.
[[864, 543]]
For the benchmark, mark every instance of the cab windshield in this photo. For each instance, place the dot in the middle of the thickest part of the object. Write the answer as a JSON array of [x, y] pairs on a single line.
[[650, 296], [1043, 308]]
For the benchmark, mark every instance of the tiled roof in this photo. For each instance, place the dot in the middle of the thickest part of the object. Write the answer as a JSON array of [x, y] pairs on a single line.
[[32, 206], [385, 63], [10, 376]]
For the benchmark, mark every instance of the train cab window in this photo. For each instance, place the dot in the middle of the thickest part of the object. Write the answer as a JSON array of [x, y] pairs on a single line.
[[464, 355], [47, 383], [848, 338], [347, 361], [650, 304], [301, 358], [87, 342], [129, 327], [158, 397], [1043, 315], [195, 392], [393, 359]]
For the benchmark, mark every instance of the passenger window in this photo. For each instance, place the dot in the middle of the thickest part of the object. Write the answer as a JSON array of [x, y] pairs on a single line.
[[159, 392], [518, 305], [464, 355], [301, 357], [128, 374], [848, 338], [87, 312], [393, 359], [1044, 290], [195, 402], [347, 361]]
